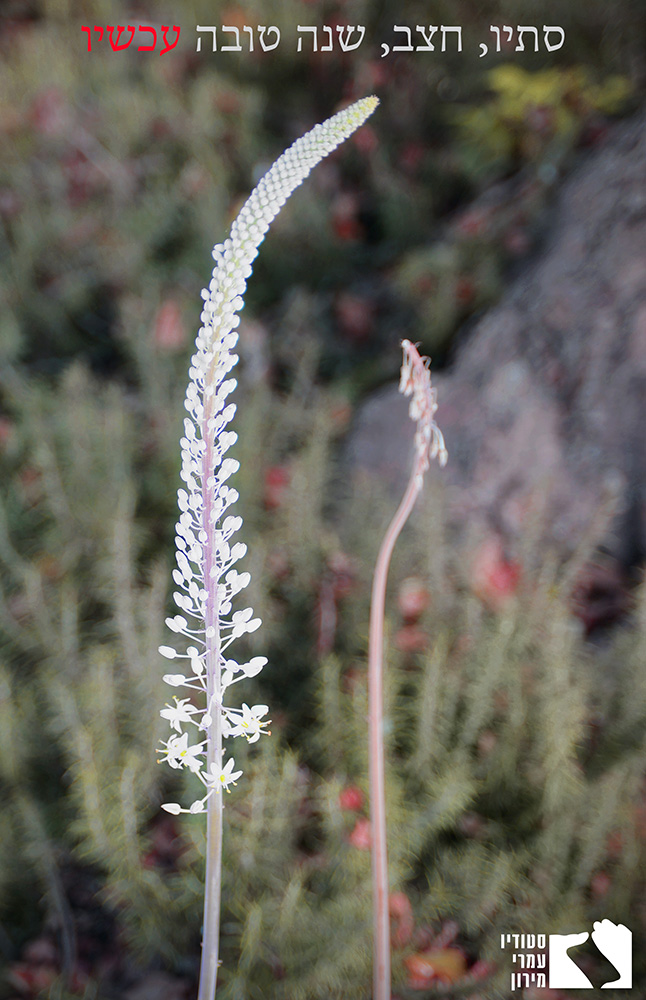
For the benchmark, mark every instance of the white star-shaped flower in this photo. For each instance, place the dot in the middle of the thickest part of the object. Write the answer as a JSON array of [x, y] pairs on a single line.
[[180, 754], [247, 722], [221, 777], [180, 713]]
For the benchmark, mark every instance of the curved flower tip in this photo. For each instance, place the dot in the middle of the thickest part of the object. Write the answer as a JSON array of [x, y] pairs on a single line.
[[415, 382], [363, 108]]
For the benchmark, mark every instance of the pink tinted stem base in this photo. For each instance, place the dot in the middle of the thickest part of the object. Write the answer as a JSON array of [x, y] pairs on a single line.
[[213, 874], [381, 919], [212, 890]]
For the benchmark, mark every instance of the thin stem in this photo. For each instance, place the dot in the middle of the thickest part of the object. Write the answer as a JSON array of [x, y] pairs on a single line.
[[212, 890], [381, 921], [213, 874]]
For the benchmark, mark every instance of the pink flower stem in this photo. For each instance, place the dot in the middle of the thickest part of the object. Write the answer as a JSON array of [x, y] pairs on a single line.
[[213, 874], [381, 920]]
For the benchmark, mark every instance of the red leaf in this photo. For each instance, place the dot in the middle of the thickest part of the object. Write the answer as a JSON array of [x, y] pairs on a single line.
[[351, 799], [413, 599], [402, 923], [494, 578], [360, 836]]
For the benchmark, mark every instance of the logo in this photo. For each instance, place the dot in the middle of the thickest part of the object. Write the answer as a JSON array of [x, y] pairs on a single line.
[[614, 941], [532, 953]]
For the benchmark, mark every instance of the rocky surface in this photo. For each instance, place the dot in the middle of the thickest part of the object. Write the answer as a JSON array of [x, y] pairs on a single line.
[[544, 406]]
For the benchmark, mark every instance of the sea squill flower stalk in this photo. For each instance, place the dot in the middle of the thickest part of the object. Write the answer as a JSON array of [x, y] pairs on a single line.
[[429, 443], [206, 554]]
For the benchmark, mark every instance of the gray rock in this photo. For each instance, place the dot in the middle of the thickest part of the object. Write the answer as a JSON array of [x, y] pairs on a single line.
[[545, 405]]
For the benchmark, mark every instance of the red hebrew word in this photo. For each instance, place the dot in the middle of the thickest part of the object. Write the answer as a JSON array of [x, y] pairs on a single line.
[[119, 46]]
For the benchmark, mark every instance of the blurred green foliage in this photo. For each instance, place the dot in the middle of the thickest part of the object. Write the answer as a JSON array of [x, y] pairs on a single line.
[[531, 115], [517, 752]]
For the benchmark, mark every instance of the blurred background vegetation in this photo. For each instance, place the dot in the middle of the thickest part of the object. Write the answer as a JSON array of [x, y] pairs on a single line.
[[516, 768]]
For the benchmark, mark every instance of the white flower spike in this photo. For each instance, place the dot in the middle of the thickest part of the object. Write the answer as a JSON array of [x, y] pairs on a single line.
[[206, 578]]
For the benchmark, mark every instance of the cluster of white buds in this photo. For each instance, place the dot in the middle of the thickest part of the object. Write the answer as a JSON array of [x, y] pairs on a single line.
[[415, 382], [205, 576]]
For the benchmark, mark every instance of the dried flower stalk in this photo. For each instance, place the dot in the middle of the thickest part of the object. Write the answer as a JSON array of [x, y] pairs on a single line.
[[415, 382]]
